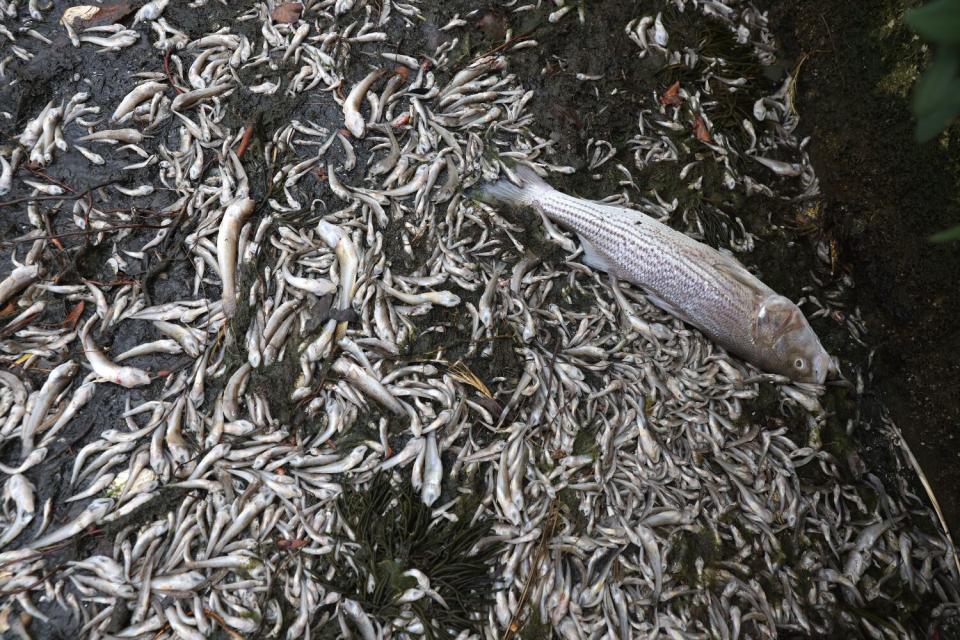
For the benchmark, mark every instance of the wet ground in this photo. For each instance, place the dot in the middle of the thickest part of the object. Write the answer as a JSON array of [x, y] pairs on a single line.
[[883, 195]]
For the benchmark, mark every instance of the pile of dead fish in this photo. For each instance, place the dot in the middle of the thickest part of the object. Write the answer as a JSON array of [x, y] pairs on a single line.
[[631, 495]]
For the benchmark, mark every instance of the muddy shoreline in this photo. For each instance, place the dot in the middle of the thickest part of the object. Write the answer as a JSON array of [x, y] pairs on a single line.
[[884, 195]]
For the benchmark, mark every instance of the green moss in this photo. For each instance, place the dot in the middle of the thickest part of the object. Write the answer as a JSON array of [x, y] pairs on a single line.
[[244, 314], [902, 52], [503, 361], [535, 239], [276, 381], [570, 501], [586, 441], [452, 342], [167, 500], [836, 441], [900, 80], [712, 38], [393, 247], [534, 627], [691, 546]]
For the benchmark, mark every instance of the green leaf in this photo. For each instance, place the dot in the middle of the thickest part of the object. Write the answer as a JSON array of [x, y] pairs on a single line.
[[937, 22], [928, 126], [939, 83], [952, 233]]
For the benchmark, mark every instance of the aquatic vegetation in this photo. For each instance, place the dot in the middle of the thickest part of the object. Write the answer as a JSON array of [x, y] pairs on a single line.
[[394, 533]]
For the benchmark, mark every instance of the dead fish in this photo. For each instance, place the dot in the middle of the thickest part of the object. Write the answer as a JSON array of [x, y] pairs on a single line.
[[686, 278], [93, 514], [18, 280], [351, 105], [124, 376], [227, 237]]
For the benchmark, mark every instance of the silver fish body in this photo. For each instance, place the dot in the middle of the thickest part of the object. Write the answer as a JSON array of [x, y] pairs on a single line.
[[691, 280]]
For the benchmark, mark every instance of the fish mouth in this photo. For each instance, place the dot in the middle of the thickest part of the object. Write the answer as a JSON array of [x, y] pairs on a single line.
[[823, 364]]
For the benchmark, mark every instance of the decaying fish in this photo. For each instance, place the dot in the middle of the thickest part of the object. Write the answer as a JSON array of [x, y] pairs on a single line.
[[691, 280], [351, 398]]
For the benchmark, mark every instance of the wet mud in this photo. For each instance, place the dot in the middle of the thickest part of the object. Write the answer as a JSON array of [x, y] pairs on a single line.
[[883, 195]]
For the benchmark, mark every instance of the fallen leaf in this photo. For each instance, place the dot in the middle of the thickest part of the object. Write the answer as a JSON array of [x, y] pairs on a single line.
[[245, 140], [567, 116], [672, 95], [490, 405], [287, 12], [296, 543], [15, 326], [345, 315], [319, 309], [111, 13], [92, 16], [70, 321], [80, 12], [700, 130], [8, 310]]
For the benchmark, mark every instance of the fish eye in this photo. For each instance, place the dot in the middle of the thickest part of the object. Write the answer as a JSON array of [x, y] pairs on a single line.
[[799, 364]]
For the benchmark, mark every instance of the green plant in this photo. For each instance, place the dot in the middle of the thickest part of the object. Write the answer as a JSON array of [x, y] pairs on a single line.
[[395, 532], [936, 100]]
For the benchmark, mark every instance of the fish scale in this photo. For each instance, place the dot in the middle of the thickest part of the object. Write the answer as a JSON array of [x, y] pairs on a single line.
[[689, 279], [654, 254]]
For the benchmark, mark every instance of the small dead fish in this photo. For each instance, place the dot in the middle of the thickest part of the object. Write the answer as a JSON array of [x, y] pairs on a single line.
[[124, 376], [351, 105]]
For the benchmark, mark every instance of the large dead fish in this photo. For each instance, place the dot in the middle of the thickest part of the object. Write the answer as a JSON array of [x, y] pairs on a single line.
[[695, 282]]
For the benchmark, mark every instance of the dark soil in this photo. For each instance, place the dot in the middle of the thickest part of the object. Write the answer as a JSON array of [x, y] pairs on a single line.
[[884, 196]]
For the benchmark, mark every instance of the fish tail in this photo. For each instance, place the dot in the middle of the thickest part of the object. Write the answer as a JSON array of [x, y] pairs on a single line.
[[531, 178], [502, 191], [505, 191]]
